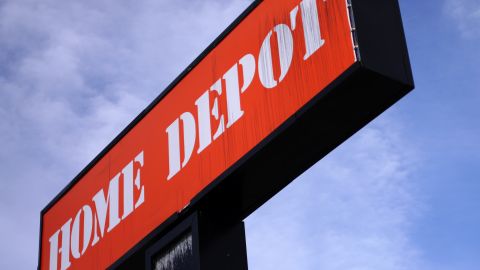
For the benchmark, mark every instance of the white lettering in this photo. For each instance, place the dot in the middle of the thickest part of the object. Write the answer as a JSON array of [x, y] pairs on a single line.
[[204, 125], [138, 181], [208, 107], [233, 90], [101, 206], [311, 27], [217, 87], [285, 50], [189, 135], [87, 232], [129, 184], [95, 221], [64, 250]]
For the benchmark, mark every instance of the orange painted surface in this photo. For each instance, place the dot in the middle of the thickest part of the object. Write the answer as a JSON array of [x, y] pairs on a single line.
[[264, 111]]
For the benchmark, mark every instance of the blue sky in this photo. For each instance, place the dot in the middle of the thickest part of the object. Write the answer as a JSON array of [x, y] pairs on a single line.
[[403, 193]]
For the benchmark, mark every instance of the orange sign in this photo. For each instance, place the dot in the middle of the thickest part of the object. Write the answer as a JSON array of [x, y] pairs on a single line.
[[281, 55]]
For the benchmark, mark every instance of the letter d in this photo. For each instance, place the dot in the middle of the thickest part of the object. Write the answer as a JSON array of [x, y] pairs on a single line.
[[189, 138]]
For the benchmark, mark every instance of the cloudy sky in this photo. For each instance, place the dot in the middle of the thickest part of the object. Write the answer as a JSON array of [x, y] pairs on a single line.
[[403, 193]]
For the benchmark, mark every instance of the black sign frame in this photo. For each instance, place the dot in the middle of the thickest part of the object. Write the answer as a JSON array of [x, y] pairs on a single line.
[[380, 78]]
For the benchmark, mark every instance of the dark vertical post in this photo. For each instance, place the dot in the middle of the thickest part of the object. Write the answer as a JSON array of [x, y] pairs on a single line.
[[222, 243]]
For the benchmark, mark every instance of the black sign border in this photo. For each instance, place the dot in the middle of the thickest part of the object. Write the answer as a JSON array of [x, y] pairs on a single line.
[[382, 75]]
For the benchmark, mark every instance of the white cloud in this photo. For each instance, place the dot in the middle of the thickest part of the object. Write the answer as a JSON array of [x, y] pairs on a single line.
[[72, 75], [352, 210], [466, 16]]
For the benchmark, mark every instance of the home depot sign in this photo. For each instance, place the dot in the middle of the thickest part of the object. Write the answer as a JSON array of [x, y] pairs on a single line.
[[277, 59]]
